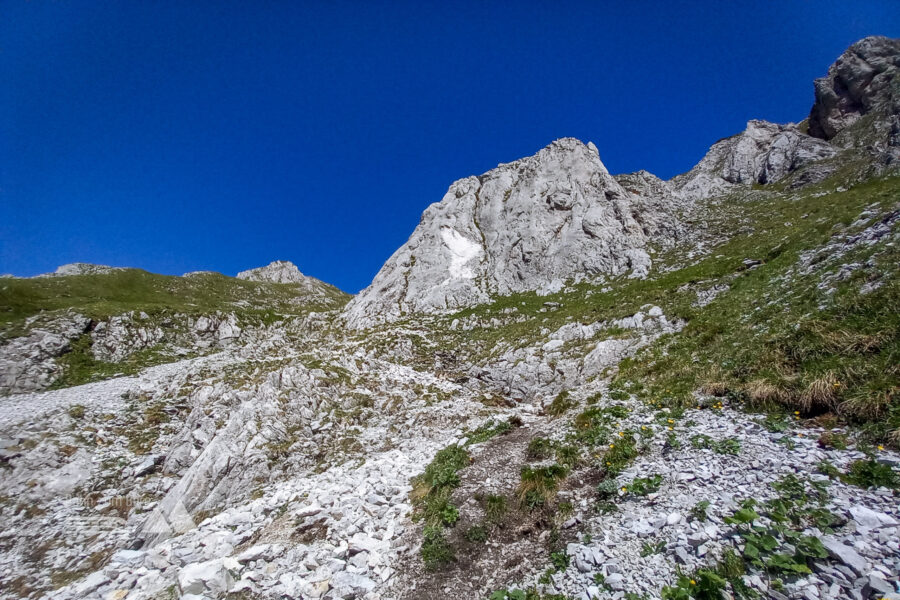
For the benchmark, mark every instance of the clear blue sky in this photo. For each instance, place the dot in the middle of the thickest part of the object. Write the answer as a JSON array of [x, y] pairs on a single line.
[[183, 135]]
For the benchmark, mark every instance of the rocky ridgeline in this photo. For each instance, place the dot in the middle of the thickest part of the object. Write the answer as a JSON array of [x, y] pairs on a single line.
[[31, 362], [558, 216], [532, 224], [283, 271], [283, 462], [864, 81]]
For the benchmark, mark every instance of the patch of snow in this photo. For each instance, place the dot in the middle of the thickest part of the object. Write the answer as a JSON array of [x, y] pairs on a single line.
[[462, 250]]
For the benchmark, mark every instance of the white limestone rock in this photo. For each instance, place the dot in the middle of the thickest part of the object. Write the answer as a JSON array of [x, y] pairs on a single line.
[[863, 80], [28, 363], [763, 153], [557, 215], [279, 271]]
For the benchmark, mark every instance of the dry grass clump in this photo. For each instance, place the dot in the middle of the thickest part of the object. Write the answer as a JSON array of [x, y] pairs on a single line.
[[820, 393], [714, 388]]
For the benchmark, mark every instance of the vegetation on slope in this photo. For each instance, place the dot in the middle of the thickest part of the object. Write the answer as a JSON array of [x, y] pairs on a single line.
[[788, 328], [102, 295]]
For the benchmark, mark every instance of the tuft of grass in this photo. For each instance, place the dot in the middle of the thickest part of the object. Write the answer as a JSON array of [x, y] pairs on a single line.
[[431, 497], [698, 512], [561, 404], [489, 430], [539, 448], [538, 485]]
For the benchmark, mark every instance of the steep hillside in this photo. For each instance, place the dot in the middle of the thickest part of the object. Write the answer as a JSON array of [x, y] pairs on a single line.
[[566, 385], [86, 322]]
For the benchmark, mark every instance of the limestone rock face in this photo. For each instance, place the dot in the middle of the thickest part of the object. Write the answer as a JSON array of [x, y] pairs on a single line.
[[28, 363], [279, 271], [527, 225], [863, 80], [81, 269], [763, 153]]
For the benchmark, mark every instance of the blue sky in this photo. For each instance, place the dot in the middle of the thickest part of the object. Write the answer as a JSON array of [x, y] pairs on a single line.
[[176, 136]]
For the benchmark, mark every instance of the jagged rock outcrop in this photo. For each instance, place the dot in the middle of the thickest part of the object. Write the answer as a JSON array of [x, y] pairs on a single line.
[[763, 153], [118, 337], [864, 80], [28, 362], [657, 201], [279, 271], [527, 225], [283, 271]]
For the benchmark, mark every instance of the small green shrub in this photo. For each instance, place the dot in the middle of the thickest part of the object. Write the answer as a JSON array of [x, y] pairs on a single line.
[[620, 453], [477, 534], [642, 486], [826, 468], [539, 448], [703, 584], [871, 473], [608, 488], [441, 472], [568, 456], [651, 548], [559, 560], [436, 552], [724, 446], [698, 512]]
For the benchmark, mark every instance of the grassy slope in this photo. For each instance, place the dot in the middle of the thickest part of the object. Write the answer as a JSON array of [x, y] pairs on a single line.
[[774, 337], [102, 295]]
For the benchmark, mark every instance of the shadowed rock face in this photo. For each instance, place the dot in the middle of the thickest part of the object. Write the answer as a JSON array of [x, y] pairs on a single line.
[[527, 225], [763, 153], [864, 79]]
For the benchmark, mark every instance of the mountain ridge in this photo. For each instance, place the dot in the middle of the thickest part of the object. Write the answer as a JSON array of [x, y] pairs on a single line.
[[716, 414]]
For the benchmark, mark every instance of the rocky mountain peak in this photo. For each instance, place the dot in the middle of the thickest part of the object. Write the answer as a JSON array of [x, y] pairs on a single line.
[[863, 80], [763, 153], [279, 271], [531, 224]]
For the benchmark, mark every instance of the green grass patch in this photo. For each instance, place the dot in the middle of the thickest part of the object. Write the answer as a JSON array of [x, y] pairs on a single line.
[[538, 485]]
